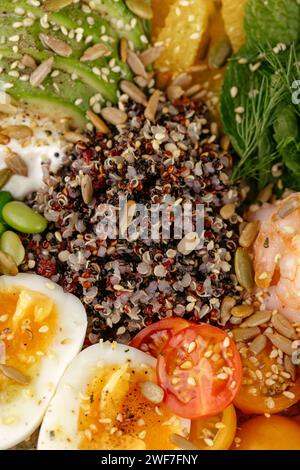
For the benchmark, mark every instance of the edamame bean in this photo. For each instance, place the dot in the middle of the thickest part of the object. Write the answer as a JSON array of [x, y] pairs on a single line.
[[11, 244], [5, 197], [22, 218]]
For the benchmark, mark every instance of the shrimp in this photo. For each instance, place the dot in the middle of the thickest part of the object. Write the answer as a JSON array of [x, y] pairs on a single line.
[[276, 256]]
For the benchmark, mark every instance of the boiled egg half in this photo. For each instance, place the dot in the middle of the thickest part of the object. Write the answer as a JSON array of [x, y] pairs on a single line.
[[108, 399], [41, 330]]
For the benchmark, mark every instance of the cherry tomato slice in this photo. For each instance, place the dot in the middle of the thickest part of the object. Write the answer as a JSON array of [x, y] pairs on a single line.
[[200, 371], [153, 338], [214, 432]]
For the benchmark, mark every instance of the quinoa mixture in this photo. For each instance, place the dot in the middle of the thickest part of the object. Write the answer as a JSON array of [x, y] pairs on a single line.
[[125, 285]]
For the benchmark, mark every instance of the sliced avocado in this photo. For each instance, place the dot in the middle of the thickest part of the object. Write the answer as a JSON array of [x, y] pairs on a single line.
[[124, 21]]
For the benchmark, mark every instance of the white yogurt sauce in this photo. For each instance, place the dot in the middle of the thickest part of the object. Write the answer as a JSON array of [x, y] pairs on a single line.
[[46, 144]]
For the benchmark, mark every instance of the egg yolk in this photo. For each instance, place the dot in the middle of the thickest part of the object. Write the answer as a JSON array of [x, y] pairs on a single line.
[[28, 322], [115, 415]]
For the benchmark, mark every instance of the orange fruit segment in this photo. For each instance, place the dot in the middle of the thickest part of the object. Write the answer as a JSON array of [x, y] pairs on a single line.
[[233, 12], [185, 34]]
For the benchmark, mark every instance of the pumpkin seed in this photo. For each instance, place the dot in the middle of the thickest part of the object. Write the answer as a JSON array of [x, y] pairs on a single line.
[[244, 269], [151, 108], [249, 234], [136, 64], [56, 5], [14, 374], [227, 305], [95, 52], [244, 334], [41, 72], [140, 8], [7, 265], [5, 175], [242, 311], [150, 55], [257, 319], [280, 342], [16, 164], [58, 46], [97, 122], [11, 244], [133, 92], [258, 344], [219, 53], [152, 392], [123, 49], [87, 189], [19, 132], [182, 443], [114, 116], [283, 326], [289, 366]]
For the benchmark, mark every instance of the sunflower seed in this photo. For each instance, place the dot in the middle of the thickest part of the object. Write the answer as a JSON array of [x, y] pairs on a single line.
[[257, 319], [29, 62], [182, 443], [265, 194], [183, 80], [7, 265], [193, 90], [56, 5], [141, 81], [123, 49], [152, 392], [174, 92], [75, 137], [5, 175], [114, 116], [152, 106], [244, 269], [258, 344], [244, 334], [288, 208], [58, 46], [97, 122], [289, 367], [249, 234], [227, 305], [86, 189], [16, 164], [150, 55], [41, 72], [133, 92], [227, 211], [280, 342], [14, 374], [136, 64], [17, 132], [140, 8], [242, 311], [95, 52], [283, 326]]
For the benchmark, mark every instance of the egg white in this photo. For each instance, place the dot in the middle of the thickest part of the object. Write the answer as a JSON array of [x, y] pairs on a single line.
[[63, 411], [28, 409]]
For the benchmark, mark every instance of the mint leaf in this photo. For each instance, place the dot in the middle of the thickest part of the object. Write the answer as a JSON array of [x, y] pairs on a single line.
[[269, 22]]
